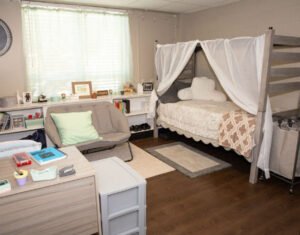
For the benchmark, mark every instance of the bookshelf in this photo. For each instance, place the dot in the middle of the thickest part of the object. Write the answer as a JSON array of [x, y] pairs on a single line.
[[136, 116], [136, 113], [137, 110], [18, 130]]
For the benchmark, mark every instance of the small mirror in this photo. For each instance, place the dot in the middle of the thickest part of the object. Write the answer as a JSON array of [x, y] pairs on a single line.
[[5, 38]]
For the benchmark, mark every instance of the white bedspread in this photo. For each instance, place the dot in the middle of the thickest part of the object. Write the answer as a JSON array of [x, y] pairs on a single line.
[[196, 117]]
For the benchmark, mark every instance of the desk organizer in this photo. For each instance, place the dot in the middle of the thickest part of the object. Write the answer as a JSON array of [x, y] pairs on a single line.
[[21, 178]]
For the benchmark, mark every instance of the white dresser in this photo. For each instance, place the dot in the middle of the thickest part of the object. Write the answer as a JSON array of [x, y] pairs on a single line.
[[122, 197]]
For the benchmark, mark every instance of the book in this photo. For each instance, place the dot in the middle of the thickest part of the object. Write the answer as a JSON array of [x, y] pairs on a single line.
[[123, 105], [4, 186], [47, 155], [127, 105], [5, 122]]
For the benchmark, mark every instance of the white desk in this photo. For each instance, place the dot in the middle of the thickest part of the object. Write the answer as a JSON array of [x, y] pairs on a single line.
[[67, 205]]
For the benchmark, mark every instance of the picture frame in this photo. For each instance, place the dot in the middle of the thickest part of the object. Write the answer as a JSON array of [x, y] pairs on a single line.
[[102, 92], [17, 121], [82, 89], [27, 97], [147, 86]]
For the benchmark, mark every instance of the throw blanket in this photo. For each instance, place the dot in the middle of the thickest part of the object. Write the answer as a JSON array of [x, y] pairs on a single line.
[[236, 132]]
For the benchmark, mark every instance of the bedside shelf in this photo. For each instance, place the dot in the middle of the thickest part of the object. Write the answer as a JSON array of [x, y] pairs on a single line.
[[21, 130], [135, 132], [138, 102], [136, 113]]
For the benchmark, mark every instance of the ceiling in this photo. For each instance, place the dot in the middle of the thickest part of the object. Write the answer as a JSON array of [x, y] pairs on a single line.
[[172, 6]]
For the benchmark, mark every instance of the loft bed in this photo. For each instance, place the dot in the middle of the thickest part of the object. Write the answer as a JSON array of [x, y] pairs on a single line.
[[269, 74]]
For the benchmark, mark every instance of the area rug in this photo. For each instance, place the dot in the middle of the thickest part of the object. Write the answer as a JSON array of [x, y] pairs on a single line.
[[144, 163], [188, 160]]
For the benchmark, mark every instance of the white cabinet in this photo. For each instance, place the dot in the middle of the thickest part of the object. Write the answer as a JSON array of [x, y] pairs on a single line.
[[122, 194]]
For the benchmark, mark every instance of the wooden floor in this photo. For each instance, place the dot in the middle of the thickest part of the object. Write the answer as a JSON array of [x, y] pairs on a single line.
[[219, 203]]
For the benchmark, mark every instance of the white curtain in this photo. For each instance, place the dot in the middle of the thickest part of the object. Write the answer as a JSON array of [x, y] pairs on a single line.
[[170, 61], [238, 65], [65, 44]]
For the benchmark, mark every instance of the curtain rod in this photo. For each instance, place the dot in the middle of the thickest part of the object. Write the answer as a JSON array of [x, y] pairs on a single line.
[[91, 6], [74, 6]]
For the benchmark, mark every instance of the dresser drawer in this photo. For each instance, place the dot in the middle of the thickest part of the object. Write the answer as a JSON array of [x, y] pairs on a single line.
[[124, 223], [122, 200], [66, 208]]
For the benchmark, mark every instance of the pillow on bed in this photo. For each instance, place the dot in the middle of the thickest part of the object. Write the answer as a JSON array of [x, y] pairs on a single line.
[[171, 95], [185, 94], [204, 89]]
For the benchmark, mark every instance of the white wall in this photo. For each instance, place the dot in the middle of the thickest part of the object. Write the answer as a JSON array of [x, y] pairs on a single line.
[[12, 64], [146, 27], [244, 18]]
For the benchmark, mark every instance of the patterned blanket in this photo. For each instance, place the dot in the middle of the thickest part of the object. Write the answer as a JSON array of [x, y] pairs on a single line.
[[236, 132]]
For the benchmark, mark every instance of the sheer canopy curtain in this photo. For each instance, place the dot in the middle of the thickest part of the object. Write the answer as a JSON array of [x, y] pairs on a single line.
[[238, 65], [65, 44]]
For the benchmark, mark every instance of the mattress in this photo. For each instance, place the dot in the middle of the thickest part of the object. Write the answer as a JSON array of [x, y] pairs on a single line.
[[195, 118]]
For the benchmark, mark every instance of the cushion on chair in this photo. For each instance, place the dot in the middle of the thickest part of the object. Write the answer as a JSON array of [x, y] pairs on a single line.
[[75, 127], [109, 140]]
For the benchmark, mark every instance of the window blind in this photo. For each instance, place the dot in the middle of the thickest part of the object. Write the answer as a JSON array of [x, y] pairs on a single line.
[[75, 44]]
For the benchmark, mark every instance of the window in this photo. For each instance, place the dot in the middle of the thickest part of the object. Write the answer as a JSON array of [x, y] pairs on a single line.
[[65, 44]]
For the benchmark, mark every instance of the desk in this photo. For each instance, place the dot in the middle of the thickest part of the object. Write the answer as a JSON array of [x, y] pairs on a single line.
[[67, 205]]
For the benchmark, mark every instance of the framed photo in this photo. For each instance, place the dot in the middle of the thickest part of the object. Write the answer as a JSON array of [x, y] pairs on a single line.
[[82, 89], [147, 86], [102, 92], [27, 97], [18, 121]]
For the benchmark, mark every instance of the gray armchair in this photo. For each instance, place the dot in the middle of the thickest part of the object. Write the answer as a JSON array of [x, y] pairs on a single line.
[[110, 123]]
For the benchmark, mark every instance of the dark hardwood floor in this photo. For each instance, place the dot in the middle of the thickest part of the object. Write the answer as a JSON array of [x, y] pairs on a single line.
[[219, 203]]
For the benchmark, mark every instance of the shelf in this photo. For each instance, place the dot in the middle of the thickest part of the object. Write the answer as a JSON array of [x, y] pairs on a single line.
[[135, 132], [11, 131], [136, 113], [109, 98]]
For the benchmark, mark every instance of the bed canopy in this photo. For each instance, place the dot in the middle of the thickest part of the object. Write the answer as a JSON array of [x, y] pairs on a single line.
[[238, 65]]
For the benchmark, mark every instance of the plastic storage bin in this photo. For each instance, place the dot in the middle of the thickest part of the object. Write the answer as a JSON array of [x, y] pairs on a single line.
[[34, 123], [122, 194], [284, 152]]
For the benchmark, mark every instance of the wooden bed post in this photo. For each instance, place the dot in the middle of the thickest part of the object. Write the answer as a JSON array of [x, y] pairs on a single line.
[[155, 127], [260, 118]]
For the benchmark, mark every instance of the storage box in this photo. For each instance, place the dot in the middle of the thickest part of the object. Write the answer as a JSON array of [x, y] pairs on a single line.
[[284, 151], [122, 194], [34, 123]]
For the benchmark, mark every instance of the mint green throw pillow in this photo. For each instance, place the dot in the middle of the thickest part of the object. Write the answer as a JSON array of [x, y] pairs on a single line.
[[75, 127]]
